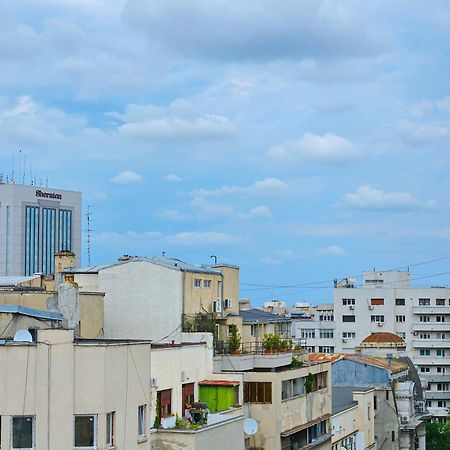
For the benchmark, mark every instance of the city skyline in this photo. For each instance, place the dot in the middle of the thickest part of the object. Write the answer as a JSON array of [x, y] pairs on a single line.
[[303, 152]]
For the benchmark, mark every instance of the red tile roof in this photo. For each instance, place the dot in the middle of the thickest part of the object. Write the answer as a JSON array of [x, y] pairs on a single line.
[[383, 338]]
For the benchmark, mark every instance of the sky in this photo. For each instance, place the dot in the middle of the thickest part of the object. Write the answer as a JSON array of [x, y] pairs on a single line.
[[301, 140]]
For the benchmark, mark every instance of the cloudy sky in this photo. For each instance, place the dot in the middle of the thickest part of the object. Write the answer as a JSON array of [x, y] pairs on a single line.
[[302, 140]]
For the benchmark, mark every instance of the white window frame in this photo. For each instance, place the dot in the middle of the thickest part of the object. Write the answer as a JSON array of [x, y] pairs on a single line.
[[199, 280], [33, 433], [94, 447], [110, 419], [142, 417], [207, 284]]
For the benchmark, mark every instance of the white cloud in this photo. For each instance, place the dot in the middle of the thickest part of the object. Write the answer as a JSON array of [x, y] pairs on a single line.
[[181, 120], [369, 198], [127, 177], [202, 238], [260, 212], [172, 177], [326, 149], [265, 186], [417, 134], [332, 250]]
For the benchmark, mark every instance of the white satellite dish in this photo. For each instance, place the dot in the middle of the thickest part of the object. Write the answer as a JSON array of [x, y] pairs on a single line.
[[23, 336], [250, 426]]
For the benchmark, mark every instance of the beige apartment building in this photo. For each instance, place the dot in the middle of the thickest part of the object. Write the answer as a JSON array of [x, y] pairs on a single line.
[[168, 296], [59, 392]]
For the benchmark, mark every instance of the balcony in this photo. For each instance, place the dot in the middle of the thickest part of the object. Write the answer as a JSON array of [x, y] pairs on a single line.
[[222, 432], [436, 378], [437, 395], [431, 326], [431, 343], [431, 309]]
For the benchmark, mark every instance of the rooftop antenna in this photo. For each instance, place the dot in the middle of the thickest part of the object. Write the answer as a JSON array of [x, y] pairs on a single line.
[[24, 169], [163, 253], [46, 182], [215, 258], [88, 219], [12, 174]]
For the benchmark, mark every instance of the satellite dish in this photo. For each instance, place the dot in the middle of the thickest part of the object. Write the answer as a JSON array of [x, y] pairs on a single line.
[[250, 426], [23, 336]]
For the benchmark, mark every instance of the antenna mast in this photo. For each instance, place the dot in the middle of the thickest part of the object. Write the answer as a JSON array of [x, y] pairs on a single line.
[[89, 231]]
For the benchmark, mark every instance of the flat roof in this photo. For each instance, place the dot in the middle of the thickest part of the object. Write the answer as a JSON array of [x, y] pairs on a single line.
[[342, 397], [14, 281], [31, 312], [259, 316]]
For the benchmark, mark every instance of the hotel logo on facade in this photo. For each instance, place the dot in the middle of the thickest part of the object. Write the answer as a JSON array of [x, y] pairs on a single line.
[[40, 193]]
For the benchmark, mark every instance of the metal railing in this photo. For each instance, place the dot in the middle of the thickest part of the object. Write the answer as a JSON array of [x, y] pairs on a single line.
[[257, 348]]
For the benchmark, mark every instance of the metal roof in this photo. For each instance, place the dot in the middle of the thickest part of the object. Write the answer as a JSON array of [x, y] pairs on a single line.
[[14, 281], [258, 316], [170, 263], [343, 397], [31, 312]]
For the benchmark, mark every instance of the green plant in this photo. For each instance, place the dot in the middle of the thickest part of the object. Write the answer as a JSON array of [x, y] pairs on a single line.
[[309, 383], [180, 423], [157, 423], [296, 362], [234, 339], [272, 342]]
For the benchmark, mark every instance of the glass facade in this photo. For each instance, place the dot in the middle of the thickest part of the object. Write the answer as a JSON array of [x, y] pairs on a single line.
[[48, 239], [65, 230], [31, 240]]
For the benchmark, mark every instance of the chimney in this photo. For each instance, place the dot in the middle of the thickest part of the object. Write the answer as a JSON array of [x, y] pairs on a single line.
[[63, 260]]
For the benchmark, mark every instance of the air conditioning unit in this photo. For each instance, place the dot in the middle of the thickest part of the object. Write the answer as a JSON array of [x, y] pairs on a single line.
[[352, 307], [153, 382], [371, 307], [380, 324], [217, 306], [415, 333], [404, 419], [344, 340], [228, 303]]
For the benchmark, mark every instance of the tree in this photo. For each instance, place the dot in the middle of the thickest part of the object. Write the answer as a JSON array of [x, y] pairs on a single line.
[[438, 435]]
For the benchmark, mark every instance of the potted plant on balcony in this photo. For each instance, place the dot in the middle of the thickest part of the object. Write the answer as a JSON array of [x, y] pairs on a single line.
[[271, 343], [234, 341], [309, 383]]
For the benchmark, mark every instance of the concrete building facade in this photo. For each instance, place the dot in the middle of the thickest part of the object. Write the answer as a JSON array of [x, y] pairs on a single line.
[[35, 223], [387, 302]]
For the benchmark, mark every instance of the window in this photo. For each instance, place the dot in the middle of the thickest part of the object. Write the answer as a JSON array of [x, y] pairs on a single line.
[[387, 395], [253, 330], [393, 436], [326, 349], [442, 404], [348, 301], [377, 319], [85, 431], [402, 334], [31, 240], [424, 370], [110, 417], [308, 334], [440, 318], [65, 230], [429, 403], [348, 335], [207, 283], [22, 432], [424, 301], [257, 392], [292, 388], [400, 318], [440, 352], [348, 318], [377, 301], [425, 352], [440, 369], [375, 403], [440, 302], [326, 334], [141, 420], [440, 335], [425, 336], [197, 282], [442, 386], [400, 302], [424, 318], [165, 402]]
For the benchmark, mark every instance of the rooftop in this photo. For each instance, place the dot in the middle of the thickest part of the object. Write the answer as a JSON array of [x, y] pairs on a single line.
[[393, 365], [31, 312], [170, 263], [251, 316], [383, 338], [15, 281], [343, 397]]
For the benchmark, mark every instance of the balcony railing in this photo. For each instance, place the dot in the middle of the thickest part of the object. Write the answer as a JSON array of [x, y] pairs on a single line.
[[258, 348]]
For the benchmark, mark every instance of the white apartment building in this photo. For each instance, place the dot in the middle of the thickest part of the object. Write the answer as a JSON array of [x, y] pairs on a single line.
[[386, 301], [314, 328]]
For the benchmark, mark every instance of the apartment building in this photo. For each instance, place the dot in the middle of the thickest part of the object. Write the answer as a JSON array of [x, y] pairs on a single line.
[[289, 398], [386, 301], [314, 326], [60, 392], [353, 420], [163, 296], [36, 222]]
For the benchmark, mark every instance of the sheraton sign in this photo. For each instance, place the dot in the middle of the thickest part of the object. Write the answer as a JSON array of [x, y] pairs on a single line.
[[42, 194]]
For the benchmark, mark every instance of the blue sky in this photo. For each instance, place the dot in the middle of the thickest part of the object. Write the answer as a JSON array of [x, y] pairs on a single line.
[[303, 141]]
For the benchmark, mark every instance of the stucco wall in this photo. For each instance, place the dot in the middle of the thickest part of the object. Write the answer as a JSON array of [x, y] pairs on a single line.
[[149, 295], [351, 373]]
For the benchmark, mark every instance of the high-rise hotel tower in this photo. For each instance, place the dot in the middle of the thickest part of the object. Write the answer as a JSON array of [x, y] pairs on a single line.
[[35, 223]]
